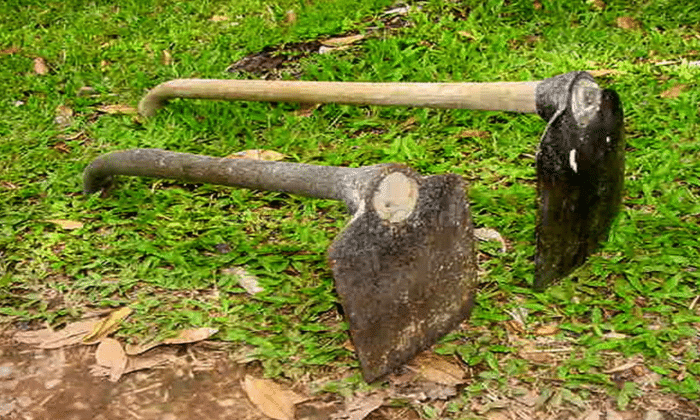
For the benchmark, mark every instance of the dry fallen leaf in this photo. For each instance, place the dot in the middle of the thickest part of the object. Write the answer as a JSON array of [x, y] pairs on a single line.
[[599, 4], [603, 72], [438, 369], [167, 58], [258, 154], [673, 92], [107, 326], [466, 34], [290, 16], [626, 22], [192, 335], [479, 134], [218, 18], [360, 407], [247, 281], [306, 110], [148, 361], [183, 337], [343, 40], [110, 354], [49, 339], [40, 66], [66, 224], [10, 51], [545, 330], [271, 398], [487, 234], [537, 5], [117, 109], [64, 116]]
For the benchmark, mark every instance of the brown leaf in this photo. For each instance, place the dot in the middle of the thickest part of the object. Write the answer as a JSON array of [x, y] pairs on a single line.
[[158, 357], [107, 325], [290, 16], [272, 399], [306, 110], [192, 335], [8, 185], [61, 147], [537, 5], [218, 18], [66, 224], [258, 154], [344, 40], [603, 72], [467, 35], [438, 369], [40, 66], [487, 234], [673, 92], [10, 51], [183, 337], [626, 22], [247, 281], [110, 354], [64, 116], [360, 407], [598, 4], [117, 109], [479, 134], [545, 330], [49, 339], [167, 58]]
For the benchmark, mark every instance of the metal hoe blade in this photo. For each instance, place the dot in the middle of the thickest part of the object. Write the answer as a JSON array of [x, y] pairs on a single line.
[[403, 287], [580, 173]]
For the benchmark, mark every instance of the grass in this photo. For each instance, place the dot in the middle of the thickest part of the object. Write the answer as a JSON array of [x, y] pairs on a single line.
[[156, 246]]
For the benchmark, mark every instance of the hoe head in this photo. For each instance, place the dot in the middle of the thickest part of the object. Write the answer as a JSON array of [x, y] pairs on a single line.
[[403, 285], [580, 175]]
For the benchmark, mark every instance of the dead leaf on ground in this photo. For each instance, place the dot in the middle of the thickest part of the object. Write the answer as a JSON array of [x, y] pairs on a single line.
[[166, 58], [306, 110], [477, 134], [64, 116], [360, 407], [40, 66], [10, 51], [625, 366], [247, 281], [8, 185], [107, 325], [673, 92], [66, 224], [598, 4], [218, 18], [271, 398], [544, 330], [157, 357], [591, 415], [537, 5], [467, 35], [487, 234], [111, 355], [117, 109], [86, 91], [47, 338], [187, 336], [290, 16], [626, 22], [343, 40], [603, 72], [258, 154], [438, 369]]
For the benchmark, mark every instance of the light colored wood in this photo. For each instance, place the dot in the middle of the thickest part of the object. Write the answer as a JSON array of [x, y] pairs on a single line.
[[497, 96]]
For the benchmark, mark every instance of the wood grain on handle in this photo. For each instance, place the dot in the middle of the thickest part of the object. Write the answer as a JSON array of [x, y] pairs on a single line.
[[497, 96]]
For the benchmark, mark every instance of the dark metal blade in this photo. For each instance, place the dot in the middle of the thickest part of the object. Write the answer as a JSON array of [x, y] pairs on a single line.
[[580, 177], [404, 286]]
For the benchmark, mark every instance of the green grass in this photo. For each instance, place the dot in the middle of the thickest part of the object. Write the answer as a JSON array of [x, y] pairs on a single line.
[[153, 244]]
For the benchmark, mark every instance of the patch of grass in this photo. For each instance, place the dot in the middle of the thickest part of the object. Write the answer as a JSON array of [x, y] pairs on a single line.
[[155, 245]]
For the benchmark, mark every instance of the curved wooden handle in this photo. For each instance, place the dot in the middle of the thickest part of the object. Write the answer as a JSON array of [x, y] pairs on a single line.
[[497, 96]]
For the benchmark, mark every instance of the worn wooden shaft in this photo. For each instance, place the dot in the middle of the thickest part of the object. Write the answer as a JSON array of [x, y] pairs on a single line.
[[329, 182], [497, 96]]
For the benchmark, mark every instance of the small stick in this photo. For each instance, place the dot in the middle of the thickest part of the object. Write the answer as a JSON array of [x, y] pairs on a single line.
[[496, 96]]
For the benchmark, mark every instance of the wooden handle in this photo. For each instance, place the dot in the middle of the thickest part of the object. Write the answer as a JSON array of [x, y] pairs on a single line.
[[497, 96]]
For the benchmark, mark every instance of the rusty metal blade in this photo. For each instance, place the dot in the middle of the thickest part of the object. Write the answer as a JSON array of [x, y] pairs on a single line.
[[403, 287]]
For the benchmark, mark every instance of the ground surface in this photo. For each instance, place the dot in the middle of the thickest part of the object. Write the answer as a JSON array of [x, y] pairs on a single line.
[[618, 339]]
